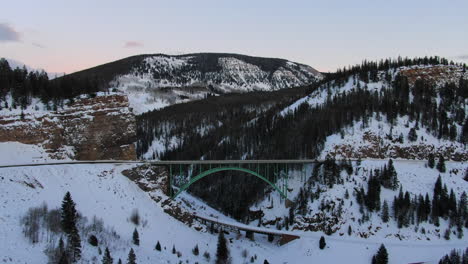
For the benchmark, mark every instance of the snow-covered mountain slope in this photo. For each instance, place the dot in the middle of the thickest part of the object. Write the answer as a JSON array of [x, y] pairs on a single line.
[[374, 136], [331, 209], [438, 75], [378, 139], [156, 81], [102, 191]]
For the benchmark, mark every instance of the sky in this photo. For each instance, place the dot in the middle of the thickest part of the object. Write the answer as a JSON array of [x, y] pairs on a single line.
[[67, 36]]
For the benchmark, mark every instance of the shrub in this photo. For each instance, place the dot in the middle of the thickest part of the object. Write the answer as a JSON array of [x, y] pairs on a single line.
[[135, 217], [322, 243], [93, 241]]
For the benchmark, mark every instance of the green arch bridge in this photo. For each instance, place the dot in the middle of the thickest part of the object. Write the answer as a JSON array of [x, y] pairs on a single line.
[[182, 174]]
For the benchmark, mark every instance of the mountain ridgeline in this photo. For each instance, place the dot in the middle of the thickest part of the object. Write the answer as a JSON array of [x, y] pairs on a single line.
[[159, 80], [215, 69]]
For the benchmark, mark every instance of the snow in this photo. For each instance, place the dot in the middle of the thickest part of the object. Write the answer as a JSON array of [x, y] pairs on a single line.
[[98, 190], [354, 140], [18, 153], [320, 96], [414, 176], [102, 191]]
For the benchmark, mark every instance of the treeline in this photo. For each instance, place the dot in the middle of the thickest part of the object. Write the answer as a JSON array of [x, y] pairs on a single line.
[[368, 70], [206, 122], [409, 210], [23, 85], [455, 257]]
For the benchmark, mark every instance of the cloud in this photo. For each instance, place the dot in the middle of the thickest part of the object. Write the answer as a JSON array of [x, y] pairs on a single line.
[[38, 45], [133, 44], [8, 33]]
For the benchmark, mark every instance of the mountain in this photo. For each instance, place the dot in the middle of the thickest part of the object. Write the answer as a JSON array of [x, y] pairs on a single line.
[[159, 80]]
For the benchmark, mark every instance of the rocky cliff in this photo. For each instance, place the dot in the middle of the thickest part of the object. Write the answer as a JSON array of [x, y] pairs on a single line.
[[98, 128]]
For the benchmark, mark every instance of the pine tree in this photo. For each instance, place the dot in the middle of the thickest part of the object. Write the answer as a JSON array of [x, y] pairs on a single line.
[[222, 252], [322, 243], [382, 256], [447, 234], [195, 250], [412, 136], [107, 259], [131, 257], [392, 175], [350, 231], [431, 161], [68, 214], [372, 199], [63, 258], [61, 246], [385, 213], [158, 246], [74, 245], [441, 164], [136, 237]]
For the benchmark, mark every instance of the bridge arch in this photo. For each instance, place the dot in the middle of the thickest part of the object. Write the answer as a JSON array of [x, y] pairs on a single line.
[[219, 169]]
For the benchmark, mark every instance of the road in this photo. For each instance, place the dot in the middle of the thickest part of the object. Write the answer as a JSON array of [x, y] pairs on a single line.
[[177, 162]]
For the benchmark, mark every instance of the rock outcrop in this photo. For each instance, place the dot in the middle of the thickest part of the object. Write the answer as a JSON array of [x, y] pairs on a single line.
[[96, 128]]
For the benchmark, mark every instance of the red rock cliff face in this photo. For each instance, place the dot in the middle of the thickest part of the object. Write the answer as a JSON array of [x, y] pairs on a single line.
[[89, 129]]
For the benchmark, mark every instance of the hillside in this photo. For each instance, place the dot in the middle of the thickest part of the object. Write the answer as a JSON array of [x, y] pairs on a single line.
[[85, 128], [155, 81], [106, 199]]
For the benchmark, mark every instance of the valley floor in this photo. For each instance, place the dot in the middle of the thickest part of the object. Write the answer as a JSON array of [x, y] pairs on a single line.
[[102, 191]]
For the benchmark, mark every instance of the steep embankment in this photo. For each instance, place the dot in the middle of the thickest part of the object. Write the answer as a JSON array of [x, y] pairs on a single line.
[[87, 128], [410, 134]]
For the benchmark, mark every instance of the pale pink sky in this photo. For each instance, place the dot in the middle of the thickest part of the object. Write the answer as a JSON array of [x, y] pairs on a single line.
[[66, 36]]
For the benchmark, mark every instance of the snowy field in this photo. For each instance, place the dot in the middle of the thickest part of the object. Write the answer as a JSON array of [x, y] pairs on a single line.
[[102, 191], [18, 153]]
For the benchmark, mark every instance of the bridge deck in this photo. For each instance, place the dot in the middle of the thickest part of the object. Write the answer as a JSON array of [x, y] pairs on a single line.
[[285, 235], [163, 162], [187, 162]]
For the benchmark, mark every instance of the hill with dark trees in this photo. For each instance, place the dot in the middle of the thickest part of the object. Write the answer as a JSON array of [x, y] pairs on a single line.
[[255, 127]]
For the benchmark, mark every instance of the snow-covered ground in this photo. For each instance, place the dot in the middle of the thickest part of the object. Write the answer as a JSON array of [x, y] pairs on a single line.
[[377, 138], [18, 153], [414, 176], [102, 191], [320, 96]]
